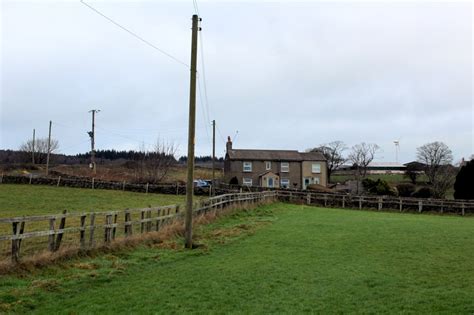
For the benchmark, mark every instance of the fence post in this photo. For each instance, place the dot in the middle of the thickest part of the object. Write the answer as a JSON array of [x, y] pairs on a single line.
[[401, 204], [108, 229], [123, 186], [442, 207], [114, 229], [308, 199], [51, 234], [142, 224], [91, 230], [343, 202], [360, 203], [128, 224], [380, 204], [1, 179], [15, 249], [325, 200], [60, 233], [420, 206], [59, 180], [83, 231], [92, 182], [31, 177], [146, 188], [462, 209]]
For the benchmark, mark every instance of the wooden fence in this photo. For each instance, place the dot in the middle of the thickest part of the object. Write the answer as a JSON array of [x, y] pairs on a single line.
[[400, 204], [90, 228], [92, 183]]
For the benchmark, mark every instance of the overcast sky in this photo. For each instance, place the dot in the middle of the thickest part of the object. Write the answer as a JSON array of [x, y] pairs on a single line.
[[286, 75]]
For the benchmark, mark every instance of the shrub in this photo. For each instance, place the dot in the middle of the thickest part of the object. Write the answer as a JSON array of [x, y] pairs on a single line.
[[377, 187], [463, 186], [423, 192], [405, 190]]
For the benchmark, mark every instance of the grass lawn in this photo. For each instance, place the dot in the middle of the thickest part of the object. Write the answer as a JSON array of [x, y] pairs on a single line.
[[279, 258], [19, 200]]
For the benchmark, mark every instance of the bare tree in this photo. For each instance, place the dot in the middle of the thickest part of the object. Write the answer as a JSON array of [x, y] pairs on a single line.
[[361, 156], [444, 181], [154, 164], [434, 155], [40, 148], [332, 151]]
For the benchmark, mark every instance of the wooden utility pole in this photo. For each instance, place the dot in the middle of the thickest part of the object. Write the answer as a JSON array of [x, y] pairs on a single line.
[[92, 135], [213, 156], [33, 149], [191, 136], [49, 149]]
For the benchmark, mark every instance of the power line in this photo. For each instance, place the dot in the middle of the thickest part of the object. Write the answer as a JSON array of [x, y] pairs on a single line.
[[135, 35], [206, 119], [204, 74], [196, 9]]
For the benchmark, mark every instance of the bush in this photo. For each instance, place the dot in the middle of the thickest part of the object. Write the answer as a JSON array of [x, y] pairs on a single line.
[[423, 192], [464, 184], [377, 187], [405, 190]]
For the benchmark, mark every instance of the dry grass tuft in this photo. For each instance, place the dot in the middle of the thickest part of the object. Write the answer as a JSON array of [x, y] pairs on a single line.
[[47, 285]]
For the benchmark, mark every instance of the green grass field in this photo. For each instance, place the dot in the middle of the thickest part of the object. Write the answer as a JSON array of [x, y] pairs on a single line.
[[19, 200], [279, 258]]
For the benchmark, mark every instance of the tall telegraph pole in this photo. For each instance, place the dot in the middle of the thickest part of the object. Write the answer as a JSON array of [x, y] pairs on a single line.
[[33, 149], [191, 136], [49, 149], [92, 135], [213, 156]]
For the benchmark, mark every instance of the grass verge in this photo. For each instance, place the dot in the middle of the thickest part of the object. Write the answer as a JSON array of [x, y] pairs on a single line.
[[277, 258]]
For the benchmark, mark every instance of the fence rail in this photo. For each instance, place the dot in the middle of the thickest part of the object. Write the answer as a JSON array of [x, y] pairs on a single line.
[[401, 204], [92, 183], [50, 231]]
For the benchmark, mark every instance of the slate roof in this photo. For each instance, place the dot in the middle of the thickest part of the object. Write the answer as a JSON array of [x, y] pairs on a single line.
[[274, 155]]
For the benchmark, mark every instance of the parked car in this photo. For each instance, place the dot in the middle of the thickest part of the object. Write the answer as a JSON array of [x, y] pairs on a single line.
[[201, 183]]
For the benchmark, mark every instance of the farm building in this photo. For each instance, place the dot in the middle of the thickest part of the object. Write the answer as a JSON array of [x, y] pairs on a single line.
[[274, 168]]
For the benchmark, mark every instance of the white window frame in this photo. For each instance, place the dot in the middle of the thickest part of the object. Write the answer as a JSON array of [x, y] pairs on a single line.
[[247, 167], [268, 165], [282, 185], [246, 181], [285, 167], [316, 168], [316, 180]]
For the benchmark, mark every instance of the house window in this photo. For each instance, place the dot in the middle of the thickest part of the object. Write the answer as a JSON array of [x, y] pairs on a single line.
[[285, 183], [247, 166], [285, 167], [247, 181], [268, 166], [316, 180], [316, 168]]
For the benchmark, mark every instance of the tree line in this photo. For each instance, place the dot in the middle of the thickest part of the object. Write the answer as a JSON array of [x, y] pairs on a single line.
[[433, 159]]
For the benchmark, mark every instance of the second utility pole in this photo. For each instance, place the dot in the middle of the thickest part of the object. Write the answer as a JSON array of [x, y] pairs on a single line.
[[49, 149], [213, 157], [191, 137], [92, 135]]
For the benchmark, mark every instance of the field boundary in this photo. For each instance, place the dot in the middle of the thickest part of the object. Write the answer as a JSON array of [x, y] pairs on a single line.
[[379, 203], [84, 228], [168, 189]]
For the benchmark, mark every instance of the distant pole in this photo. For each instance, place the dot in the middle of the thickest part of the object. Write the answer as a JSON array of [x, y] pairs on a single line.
[[213, 156], [33, 149], [92, 135], [191, 137], [49, 149]]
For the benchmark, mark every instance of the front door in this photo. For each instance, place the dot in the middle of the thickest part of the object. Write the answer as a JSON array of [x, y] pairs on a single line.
[[270, 181], [307, 181]]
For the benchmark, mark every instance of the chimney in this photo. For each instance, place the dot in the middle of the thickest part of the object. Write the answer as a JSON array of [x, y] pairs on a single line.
[[228, 144]]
